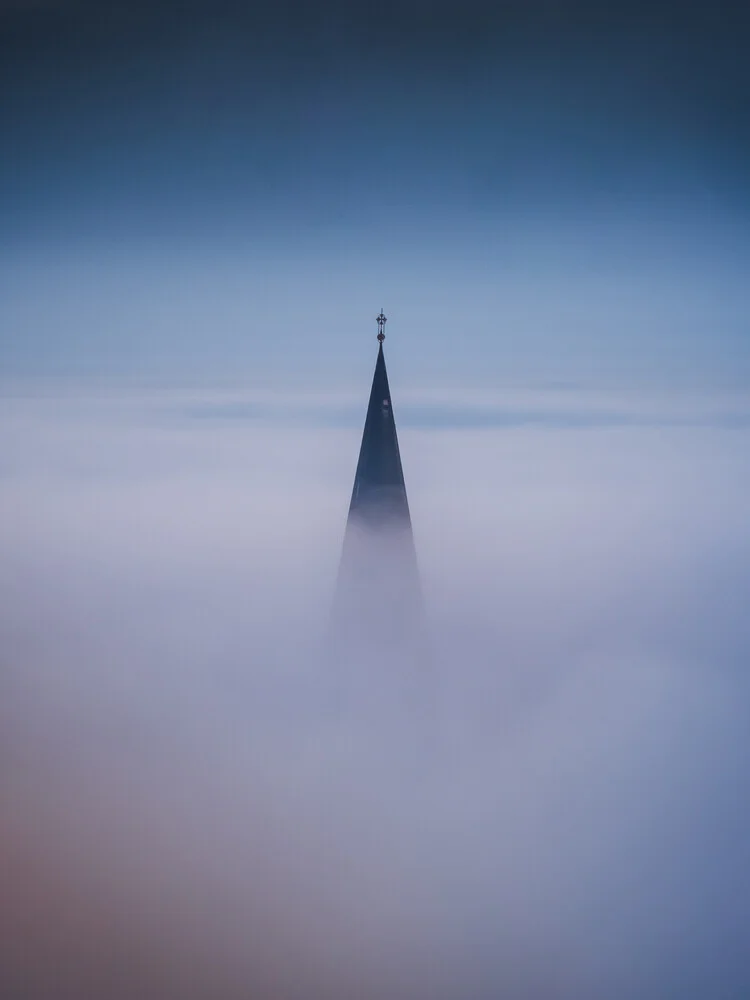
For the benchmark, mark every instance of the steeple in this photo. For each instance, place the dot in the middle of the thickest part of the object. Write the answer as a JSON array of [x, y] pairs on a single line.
[[378, 607], [379, 493]]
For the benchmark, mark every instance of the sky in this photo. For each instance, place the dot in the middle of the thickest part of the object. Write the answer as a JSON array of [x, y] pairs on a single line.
[[203, 208], [534, 192]]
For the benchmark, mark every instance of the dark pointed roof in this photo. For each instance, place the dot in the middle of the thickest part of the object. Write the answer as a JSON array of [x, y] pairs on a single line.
[[379, 489], [378, 615]]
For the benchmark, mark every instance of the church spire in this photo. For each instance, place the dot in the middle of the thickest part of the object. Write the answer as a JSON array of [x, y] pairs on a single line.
[[379, 492], [378, 608]]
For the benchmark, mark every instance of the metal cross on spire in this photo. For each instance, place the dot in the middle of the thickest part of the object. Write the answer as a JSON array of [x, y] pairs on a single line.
[[381, 326]]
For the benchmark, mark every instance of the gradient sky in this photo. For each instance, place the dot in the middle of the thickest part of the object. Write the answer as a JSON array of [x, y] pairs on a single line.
[[202, 210], [532, 191]]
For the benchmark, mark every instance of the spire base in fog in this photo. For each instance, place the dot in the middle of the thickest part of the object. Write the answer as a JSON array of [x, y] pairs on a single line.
[[378, 618]]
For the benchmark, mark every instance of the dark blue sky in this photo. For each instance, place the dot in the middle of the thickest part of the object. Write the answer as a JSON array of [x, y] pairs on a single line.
[[541, 189]]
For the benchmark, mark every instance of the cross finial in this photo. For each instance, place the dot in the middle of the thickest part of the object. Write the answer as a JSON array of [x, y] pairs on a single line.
[[381, 326]]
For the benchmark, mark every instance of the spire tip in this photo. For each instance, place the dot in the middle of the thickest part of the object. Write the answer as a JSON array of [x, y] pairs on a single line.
[[381, 320]]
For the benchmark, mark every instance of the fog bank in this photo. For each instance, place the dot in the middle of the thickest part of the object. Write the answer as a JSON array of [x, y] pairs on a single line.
[[185, 812]]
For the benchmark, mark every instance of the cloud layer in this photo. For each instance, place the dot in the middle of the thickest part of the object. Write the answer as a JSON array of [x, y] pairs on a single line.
[[187, 812]]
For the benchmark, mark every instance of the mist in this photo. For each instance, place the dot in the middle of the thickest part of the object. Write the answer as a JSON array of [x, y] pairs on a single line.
[[187, 811]]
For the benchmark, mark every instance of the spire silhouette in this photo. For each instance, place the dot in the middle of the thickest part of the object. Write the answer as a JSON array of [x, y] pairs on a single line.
[[379, 492], [378, 607]]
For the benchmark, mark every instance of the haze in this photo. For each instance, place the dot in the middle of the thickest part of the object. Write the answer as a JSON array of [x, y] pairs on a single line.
[[204, 208]]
